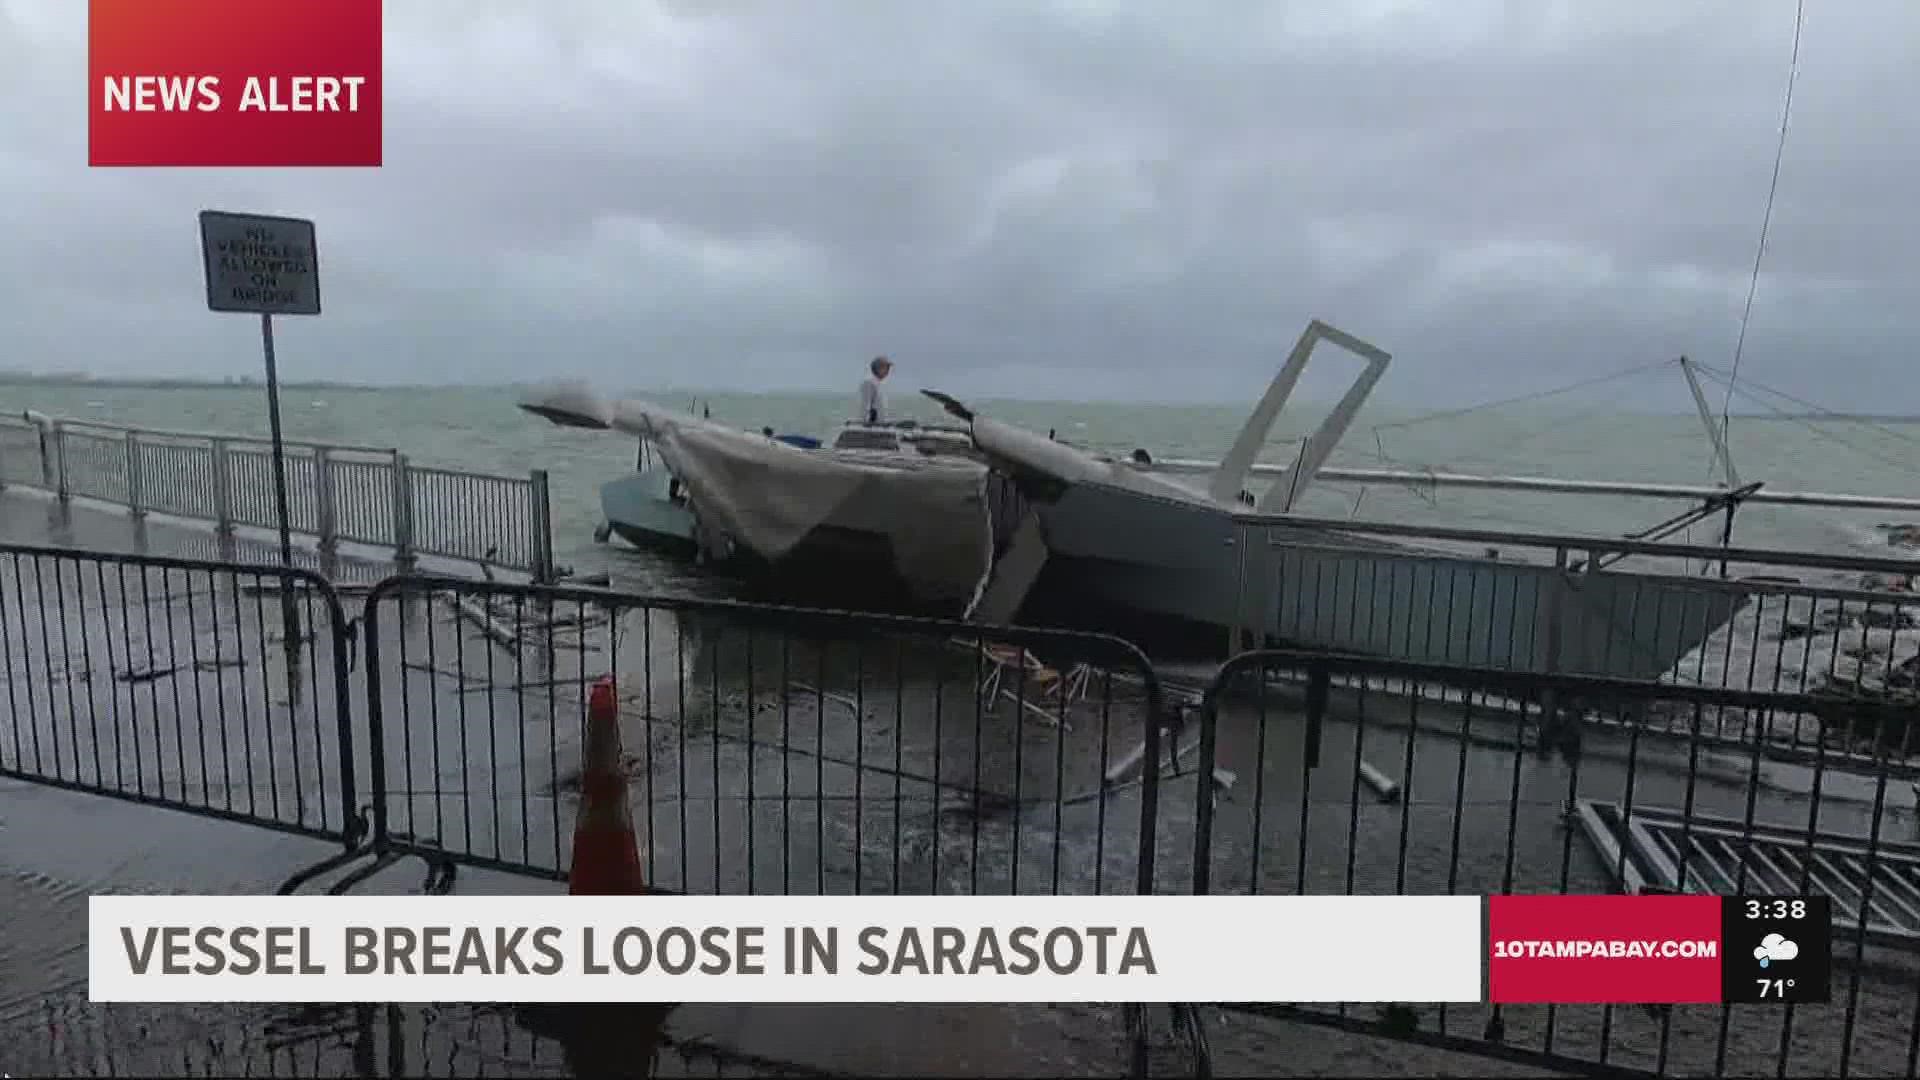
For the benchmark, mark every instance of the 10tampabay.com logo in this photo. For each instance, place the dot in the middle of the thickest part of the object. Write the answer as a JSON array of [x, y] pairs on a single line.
[[233, 82]]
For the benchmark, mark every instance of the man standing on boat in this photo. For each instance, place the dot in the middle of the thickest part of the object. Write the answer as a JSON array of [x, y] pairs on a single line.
[[873, 402]]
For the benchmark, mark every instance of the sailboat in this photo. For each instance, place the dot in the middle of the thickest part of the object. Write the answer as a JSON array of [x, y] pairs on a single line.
[[1037, 531], [1122, 545]]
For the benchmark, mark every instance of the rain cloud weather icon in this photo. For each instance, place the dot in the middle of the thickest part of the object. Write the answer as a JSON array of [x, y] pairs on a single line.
[[1774, 947]]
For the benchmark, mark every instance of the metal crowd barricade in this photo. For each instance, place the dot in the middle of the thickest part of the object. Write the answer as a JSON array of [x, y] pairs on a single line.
[[167, 682], [774, 750], [787, 751], [1319, 774], [778, 749]]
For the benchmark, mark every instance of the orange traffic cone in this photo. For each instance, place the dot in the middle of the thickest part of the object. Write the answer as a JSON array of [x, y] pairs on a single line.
[[606, 856]]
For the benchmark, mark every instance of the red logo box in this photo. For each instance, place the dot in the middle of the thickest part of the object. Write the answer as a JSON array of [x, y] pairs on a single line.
[[234, 82], [1604, 949]]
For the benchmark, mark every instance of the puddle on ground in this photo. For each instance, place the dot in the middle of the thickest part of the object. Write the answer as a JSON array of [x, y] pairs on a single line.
[[44, 944]]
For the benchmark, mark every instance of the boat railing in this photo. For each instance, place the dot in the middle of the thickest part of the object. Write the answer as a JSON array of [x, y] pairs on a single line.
[[335, 492]]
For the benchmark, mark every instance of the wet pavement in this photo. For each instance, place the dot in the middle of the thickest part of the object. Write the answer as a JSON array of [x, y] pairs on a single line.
[[763, 760], [172, 684]]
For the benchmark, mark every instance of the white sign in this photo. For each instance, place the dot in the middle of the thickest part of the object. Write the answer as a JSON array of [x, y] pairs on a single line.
[[785, 948], [259, 264]]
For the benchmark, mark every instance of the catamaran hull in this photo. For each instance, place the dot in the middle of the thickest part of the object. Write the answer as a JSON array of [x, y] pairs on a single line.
[[1131, 557], [842, 519], [640, 510]]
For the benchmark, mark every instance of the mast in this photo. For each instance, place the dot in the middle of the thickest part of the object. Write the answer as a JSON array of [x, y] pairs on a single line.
[[1717, 435]]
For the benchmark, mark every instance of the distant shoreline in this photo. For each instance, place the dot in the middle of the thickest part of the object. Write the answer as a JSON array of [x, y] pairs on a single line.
[[77, 382]]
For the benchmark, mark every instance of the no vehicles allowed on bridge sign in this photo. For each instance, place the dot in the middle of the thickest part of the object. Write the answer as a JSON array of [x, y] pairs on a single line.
[[261, 265]]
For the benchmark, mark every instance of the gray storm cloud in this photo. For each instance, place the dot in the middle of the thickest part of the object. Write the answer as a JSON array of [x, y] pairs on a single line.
[[1071, 198]]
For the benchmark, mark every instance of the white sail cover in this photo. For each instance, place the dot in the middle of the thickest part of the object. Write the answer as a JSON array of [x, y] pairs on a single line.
[[767, 496]]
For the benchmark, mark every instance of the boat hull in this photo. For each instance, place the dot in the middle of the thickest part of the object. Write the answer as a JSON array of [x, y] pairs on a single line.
[[640, 510], [1326, 590]]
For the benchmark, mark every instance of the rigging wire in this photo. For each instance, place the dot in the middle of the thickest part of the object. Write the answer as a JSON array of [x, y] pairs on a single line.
[[1429, 493], [1815, 429], [1875, 425], [1536, 396], [1766, 219]]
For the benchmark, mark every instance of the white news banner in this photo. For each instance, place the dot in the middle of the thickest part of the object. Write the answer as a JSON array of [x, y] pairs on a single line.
[[776, 949]]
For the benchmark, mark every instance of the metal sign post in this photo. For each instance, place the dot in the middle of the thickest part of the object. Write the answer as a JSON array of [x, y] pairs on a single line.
[[269, 266]]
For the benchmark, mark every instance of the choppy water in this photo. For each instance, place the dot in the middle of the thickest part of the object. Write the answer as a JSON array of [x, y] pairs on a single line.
[[479, 428]]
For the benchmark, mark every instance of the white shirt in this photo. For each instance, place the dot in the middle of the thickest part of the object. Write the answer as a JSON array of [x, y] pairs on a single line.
[[873, 401]]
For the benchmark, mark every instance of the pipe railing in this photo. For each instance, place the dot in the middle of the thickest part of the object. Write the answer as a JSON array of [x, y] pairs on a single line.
[[336, 492]]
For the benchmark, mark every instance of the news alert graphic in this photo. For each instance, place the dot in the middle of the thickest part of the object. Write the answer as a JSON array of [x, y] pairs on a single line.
[[701, 949], [234, 82], [1658, 949]]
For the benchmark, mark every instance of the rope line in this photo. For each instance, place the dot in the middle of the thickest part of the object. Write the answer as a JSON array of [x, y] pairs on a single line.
[[1766, 219]]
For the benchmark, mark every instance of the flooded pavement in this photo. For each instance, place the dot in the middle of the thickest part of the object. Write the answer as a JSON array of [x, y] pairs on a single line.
[[169, 684], [82, 845], [813, 754]]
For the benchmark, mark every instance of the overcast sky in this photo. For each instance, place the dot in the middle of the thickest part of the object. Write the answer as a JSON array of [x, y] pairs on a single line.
[[1031, 198]]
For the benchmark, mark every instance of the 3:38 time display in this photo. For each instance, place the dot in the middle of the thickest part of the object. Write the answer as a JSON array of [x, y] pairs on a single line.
[[1775, 909]]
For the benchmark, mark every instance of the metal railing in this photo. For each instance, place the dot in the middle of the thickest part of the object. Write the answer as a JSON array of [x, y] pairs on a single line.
[[356, 494], [168, 682], [1344, 775]]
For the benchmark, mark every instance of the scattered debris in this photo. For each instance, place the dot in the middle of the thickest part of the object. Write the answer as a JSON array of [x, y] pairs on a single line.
[[459, 676], [1901, 535], [1794, 631], [1382, 784], [839, 699], [150, 674], [488, 625], [565, 623], [632, 766], [478, 685], [1900, 583], [341, 588]]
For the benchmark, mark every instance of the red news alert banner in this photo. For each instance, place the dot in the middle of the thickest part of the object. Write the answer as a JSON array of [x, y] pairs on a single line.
[[1657, 949], [234, 82]]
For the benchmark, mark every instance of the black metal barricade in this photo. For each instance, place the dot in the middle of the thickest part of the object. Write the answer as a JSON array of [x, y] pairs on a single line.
[[172, 682], [1330, 774], [773, 749]]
